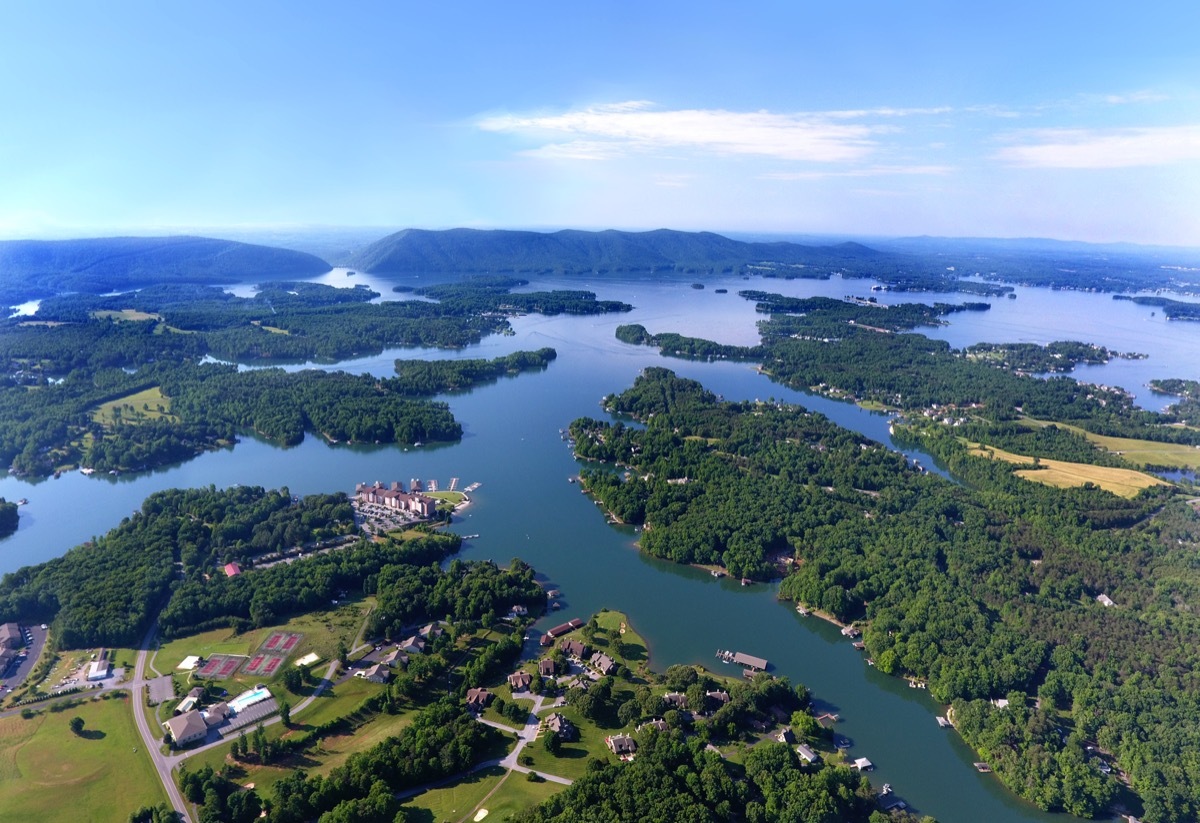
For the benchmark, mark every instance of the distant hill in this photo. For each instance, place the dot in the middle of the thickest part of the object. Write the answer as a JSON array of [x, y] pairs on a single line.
[[570, 251], [30, 269]]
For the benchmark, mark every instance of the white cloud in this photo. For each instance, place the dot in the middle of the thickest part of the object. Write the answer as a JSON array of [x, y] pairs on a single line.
[[1103, 148], [635, 127], [865, 171]]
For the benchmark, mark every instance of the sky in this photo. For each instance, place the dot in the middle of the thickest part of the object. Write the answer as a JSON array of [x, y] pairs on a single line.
[[1070, 120]]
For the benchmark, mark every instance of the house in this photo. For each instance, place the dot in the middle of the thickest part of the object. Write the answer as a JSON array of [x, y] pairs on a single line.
[[1105, 600], [413, 645], [232, 569], [785, 736], [603, 663], [562, 727], [10, 636], [519, 681], [518, 611], [546, 667], [806, 754], [676, 700], [215, 714], [621, 744], [658, 724], [394, 658], [478, 699], [430, 631], [379, 673], [719, 696], [574, 648], [196, 692], [186, 728]]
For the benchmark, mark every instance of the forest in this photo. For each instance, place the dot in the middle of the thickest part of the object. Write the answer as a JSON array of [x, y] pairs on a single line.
[[986, 587], [9, 517]]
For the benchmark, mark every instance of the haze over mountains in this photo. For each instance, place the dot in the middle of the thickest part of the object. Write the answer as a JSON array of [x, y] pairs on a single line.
[[32, 269]]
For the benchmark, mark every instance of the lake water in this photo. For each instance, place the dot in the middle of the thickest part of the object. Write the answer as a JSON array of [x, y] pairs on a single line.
[[526, 508]]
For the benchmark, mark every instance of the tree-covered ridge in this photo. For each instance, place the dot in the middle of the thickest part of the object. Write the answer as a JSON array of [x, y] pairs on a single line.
[[106, 591], [976, 586], [31, 269], [690, 348], [427, 377], [1173, 309], [824, 314]]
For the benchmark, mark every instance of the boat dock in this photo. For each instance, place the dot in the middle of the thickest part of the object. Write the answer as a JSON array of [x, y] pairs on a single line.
[[453, 484], [749, 661]]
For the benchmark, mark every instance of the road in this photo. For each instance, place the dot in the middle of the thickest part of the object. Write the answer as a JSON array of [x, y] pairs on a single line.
[[152, 738]]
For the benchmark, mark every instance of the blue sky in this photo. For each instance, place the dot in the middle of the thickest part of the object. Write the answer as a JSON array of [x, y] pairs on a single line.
[[1075, 120]]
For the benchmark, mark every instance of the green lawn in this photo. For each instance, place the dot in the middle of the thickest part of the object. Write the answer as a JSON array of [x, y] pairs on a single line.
[[135, 408], [463, 799], [1138, 452], [48, 774], [571, 762]]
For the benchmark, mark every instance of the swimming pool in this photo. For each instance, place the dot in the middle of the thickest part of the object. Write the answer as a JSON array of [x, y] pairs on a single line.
[[247, 699]]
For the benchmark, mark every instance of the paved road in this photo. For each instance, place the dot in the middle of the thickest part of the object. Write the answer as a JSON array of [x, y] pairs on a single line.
[[152, 737]]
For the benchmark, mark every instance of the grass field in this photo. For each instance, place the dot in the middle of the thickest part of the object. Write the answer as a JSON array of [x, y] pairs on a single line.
[[125, 315], [322, 631], [48, 774], [1059, 473], [447, 499], [462, 799], [134, 408], [1138, 452], [571, 761]]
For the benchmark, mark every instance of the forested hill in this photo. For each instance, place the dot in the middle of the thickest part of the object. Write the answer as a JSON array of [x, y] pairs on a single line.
[[30, 269], [471, 250]]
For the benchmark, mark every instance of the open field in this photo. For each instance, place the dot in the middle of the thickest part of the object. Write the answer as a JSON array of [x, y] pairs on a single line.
[[460, 800], [134, 408], [1138, 452], [132, 315], [48, 774], [616, 624], [1059, 473]]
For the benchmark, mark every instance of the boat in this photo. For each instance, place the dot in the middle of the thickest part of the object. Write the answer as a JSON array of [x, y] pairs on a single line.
[[22, 502]]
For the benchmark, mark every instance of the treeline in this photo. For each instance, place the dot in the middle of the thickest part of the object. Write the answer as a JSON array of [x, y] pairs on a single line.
[[413, 593], [268, 595], [8, 517], [975, 586], [1173, 309], [106, 591], [442, 740], [428, 377], [674, 778], [485, 295]]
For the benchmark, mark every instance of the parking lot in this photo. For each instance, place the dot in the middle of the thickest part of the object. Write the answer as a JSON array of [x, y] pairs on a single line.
[[19, 669]]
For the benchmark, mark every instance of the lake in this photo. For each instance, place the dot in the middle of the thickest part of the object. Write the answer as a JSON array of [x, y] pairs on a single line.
[[526, 508]]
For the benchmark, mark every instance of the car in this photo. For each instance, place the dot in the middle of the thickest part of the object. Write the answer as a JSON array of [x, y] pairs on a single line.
[[44, 627]]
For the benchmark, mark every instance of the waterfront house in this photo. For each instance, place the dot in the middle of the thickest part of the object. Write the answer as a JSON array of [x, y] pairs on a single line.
[[519, 681], [546, 667], [807, 754], [574, 648], [785, 736], [603, 663], [719, 696], [676, 700]]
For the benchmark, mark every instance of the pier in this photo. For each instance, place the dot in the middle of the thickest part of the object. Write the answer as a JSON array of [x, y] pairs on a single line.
[[749, 661]]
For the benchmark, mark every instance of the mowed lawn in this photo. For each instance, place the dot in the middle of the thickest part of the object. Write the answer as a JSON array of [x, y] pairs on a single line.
[[463, 799], [135, 407], [1059, 473], [48, 774]]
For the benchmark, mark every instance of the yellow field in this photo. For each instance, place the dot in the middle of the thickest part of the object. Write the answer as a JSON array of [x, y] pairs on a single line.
[[134, 408], [126, 315], [1059, 473], [1138, 452], [271, 329]]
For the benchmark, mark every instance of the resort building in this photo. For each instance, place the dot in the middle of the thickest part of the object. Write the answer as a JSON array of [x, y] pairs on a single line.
[[574, 648], [547, 667], [603, 663], [10, 636], [396, 498]]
